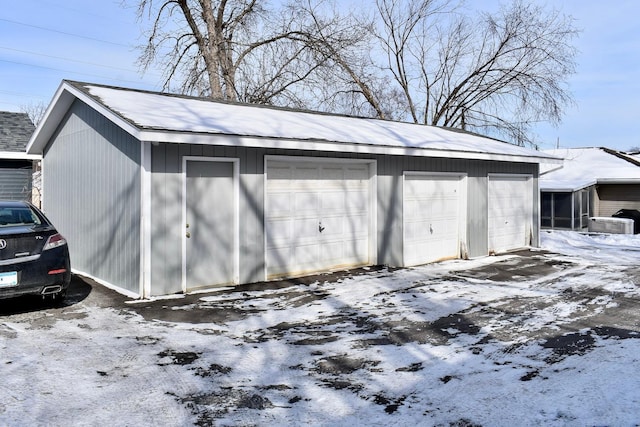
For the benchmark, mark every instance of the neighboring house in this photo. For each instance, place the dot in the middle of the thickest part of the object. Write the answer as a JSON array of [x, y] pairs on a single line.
[[592, 182], [161, 194], [16, 166]]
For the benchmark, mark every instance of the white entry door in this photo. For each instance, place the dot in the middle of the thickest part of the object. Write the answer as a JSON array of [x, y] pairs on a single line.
[[510, 212], [433, 217], [210, 223], [318, 216]]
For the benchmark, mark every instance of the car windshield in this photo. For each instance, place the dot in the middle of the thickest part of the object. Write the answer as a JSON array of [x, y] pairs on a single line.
[[19, 215]]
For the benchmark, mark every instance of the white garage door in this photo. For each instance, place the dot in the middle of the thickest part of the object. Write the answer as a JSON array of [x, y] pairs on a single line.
[[318, 216], [433, 217], [510, 212]]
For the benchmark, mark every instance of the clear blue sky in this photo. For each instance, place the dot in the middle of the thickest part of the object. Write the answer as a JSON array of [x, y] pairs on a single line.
[[45, 41]]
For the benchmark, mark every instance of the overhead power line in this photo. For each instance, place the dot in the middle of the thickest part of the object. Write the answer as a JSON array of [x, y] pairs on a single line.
[[68, 71], [64, 32], [69, 59], [10, 93]]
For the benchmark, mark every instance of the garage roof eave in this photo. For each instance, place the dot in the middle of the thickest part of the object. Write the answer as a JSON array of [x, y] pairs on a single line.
[[183, 126], [177, 137], [58, 108], [560, 189], [619, 180], [53, 115], [18, 155]]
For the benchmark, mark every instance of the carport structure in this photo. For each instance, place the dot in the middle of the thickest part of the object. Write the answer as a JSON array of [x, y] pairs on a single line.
[[160, 194]]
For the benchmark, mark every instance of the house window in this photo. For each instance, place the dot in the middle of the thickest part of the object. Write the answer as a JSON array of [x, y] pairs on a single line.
[[557, 210], [562, 210], [547, 207], [584, 208]]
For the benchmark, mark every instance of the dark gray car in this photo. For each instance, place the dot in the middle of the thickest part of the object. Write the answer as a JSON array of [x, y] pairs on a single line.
[[34, 257]]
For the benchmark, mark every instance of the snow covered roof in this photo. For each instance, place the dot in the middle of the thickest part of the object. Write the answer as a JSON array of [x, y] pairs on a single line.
[[584, 167], [160, 117]]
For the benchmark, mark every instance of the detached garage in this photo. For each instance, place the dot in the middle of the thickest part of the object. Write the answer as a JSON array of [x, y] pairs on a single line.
[[161, 194]]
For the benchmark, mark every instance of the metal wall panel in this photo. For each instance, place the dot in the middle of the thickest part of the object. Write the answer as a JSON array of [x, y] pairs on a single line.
[[166, 221], [166, 212], [16, 180], [390, 170], [91, 190]]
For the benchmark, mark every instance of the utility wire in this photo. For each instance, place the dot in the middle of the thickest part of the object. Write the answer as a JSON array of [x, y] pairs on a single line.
[[64, 32], [68, 71], [86, 11], [7, 92], [67, 59]]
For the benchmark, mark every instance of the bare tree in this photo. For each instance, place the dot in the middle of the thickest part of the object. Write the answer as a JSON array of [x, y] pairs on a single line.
[[295, 70], [204, 45], [343, 78], [497, 74], [35, 111], [423, 61]]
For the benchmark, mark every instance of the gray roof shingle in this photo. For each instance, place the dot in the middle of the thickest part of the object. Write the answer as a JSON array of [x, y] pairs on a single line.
[[15, 131]]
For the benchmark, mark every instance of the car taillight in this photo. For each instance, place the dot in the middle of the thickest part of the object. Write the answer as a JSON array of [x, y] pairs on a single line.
[[54, 241]]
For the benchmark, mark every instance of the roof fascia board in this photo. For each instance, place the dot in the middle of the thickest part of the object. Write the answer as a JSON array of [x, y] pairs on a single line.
[[564, 189], [48, 124], [619, 180], [18, 155], [622, 181], [559, 190], [58, 108], [328, 146]]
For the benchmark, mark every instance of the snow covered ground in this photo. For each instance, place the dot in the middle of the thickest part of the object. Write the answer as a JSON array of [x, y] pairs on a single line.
[[546, 338]]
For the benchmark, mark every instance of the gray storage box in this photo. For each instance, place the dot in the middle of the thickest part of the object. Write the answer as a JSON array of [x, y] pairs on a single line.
[[611, 225]]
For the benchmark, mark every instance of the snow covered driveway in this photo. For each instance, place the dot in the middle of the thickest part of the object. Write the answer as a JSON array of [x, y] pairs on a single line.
[[546, 337]]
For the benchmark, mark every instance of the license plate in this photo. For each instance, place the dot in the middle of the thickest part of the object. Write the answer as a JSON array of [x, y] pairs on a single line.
[[8, 279]]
